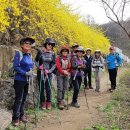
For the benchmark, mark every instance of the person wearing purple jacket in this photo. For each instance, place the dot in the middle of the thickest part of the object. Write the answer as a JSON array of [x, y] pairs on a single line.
[[78, 64]]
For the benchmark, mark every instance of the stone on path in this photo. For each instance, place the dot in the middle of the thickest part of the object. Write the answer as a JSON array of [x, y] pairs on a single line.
[[5, 119]]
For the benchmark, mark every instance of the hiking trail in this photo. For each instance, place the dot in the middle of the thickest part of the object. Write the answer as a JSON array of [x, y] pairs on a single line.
[[79, 118]]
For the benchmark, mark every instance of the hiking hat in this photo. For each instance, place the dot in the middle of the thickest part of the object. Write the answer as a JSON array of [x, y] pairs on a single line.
[[98, 51], [75, 45], [64, 48], [112, 48], [27, 39], [88, 49], [80, 49], [49, 41]]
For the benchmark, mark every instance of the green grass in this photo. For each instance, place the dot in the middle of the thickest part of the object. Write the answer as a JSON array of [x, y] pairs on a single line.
[[117, 111]]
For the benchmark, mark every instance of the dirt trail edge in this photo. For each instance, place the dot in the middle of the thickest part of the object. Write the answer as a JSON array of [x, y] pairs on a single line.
[[77, 119]]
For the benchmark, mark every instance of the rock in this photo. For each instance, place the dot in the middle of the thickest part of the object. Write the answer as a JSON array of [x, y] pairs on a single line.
[[5, 119]]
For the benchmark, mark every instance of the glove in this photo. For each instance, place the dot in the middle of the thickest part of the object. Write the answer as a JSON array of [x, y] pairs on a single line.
[[41, 67], [29, 73], [46, 72], [65, 73]]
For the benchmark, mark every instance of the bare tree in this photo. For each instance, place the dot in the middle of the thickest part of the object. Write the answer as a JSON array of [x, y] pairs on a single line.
[[89, 20], [115, 10]]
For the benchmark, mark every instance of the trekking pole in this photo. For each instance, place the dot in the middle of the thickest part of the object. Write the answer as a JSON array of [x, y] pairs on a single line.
[[75, 75], [32, 86], [28, 80], [67, 99], [86, 96], [40, 86], [68, 96], [57, 111]]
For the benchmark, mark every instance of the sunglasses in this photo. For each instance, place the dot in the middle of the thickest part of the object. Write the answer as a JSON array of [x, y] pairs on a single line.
[[49, 44], [79, 51], [28, 43]]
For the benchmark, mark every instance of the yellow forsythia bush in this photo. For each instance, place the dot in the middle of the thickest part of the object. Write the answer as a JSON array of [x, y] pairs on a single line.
[[49, 18]]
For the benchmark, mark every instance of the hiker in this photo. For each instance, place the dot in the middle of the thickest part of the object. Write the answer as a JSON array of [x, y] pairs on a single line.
[[63, 68], [45, 62], [88, 70], [23, 65], [113, 61], [78, 64], [97, 65], [73, 49]]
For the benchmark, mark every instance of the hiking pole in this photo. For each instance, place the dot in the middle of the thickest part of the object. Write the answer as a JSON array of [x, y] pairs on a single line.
[[57, 111], [40, 87], [28, 80], [68, 95], [75, 75], [32, 86], [67, 99], [86, 96]]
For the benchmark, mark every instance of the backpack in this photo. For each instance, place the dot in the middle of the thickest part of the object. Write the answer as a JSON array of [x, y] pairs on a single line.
[[11, 71], [69, 60]]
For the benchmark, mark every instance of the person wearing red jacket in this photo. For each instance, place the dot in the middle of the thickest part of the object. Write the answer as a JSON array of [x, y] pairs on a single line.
[[63, 68]]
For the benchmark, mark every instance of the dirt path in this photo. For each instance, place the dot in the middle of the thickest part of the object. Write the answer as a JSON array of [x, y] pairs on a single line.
[[77, 119]]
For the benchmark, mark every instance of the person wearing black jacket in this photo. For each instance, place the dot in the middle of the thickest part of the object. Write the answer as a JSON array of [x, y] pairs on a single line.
[[45, 63], [88, 70]]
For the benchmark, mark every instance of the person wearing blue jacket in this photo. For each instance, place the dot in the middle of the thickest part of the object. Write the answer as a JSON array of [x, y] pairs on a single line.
[[23, 65], [113, 61]]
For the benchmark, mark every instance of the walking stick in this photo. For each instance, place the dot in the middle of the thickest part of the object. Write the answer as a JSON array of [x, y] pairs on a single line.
[[28, 80], [67, 99], [68, 94], [32, 86], [57, 111], [85, 94], [75, 75]]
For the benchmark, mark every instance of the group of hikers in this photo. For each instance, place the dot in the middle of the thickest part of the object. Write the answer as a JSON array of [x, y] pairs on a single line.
[[71, 66]]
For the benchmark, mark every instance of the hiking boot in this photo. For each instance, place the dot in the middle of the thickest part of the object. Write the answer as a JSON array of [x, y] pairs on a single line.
[[48, 105], [97, 90], [75, 104], [43, 105], [90, 87], [64, 103], [86, 87], [24, 119], [60, 105], [70, 88], [15, 122], [111, 90]]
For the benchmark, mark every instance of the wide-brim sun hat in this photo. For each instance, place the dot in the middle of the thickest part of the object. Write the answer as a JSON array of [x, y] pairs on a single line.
[[64, 48], [80, 49], [49, 41], [88, 49], [98, 51], [75, 45], [24, 40]]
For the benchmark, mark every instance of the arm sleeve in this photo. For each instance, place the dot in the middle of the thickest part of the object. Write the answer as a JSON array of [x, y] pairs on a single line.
[[109, 60], [93, 65], [16, 64], [102, 61], [53, 64], [74, 64], [58, 65], [37, 58]]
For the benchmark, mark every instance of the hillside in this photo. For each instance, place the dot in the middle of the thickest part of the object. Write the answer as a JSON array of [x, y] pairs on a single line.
[[46, 18], [117, 36]]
